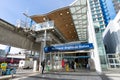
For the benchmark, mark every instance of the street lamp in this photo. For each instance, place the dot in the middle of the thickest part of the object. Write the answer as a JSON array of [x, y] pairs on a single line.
[[26, 15], [45, 35]]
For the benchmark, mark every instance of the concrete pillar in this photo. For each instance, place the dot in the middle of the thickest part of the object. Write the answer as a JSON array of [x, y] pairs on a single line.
[[92, 39], [35, 66], [40, 56], [51, 60]]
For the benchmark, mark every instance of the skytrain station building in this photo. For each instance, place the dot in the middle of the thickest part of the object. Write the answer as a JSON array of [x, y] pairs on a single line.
[[66, 33]]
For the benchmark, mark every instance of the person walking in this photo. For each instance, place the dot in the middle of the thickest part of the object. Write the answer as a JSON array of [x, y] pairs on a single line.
[[43, 66], [63, 63], [73, 65]]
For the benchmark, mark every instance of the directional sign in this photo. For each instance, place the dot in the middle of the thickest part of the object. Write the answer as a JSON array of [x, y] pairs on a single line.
[[69, 47]]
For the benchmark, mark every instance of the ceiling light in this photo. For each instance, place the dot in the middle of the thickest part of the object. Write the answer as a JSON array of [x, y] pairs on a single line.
[[44, 18], [67, 12], [53, 30], [71, 23], [66, 25], [61, 14]]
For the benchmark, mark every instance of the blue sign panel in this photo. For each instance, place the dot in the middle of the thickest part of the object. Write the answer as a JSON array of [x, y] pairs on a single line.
[[76, 57], [69, 47]]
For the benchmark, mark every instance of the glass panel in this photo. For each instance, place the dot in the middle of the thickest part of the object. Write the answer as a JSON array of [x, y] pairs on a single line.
[[77, 3], [116, 61], [112, 66], [110, 60], [74, 17], [72, 10], [117, 66], [83, 1], [84, 10], [77, 27], [111, 56], [77, 8], [79, 11], [76, 22]]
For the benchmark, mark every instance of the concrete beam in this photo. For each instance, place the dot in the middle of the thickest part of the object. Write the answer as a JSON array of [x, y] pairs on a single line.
[[9, 36]]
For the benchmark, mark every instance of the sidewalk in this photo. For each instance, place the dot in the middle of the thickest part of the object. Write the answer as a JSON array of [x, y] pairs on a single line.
[[63, 75], [112, 74], [79, 75]]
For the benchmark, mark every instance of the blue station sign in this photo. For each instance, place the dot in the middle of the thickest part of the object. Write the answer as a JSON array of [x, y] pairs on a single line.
[[69, 47]]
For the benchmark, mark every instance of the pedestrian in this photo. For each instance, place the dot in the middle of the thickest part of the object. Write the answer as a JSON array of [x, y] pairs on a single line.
[[88, 66], [73, 65], [43, 66], [63, 63]]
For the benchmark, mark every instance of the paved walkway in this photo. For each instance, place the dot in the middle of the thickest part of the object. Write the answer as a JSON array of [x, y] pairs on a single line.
[[62, 75], [113, 74], [79, 75]]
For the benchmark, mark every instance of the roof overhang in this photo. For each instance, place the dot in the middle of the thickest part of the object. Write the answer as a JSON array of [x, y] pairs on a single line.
[[70, 21]]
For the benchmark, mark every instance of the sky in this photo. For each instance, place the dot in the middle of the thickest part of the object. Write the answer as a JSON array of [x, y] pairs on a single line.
[[111, 9], [12, 10]]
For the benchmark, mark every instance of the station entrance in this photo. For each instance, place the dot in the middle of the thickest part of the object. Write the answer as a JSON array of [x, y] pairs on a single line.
[[81, 59], [69, 53], [54, 60]]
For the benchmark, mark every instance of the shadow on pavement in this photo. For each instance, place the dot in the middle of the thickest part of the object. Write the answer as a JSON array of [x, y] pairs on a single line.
[[73, 73], [104, 77], [49, 78]]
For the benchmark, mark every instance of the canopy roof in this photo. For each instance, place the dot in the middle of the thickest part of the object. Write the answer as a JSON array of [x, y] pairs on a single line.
[[70, 21]]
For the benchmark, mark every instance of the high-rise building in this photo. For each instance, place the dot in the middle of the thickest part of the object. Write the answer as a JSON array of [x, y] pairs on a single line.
[[116, 4], [111, 9], [100, 19], [99, 12], [111, 38]]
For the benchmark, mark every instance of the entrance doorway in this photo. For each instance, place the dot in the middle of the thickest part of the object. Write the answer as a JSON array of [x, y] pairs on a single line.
[[81, 59]]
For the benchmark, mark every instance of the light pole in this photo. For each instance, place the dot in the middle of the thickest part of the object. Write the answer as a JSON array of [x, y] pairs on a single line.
[[44, 44], [26, 22], [25, 14]]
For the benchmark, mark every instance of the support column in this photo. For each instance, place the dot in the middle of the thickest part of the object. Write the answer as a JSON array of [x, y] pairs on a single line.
[[44, 44]]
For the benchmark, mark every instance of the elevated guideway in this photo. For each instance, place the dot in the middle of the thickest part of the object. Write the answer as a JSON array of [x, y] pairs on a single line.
[[13, 36], [25, 38]]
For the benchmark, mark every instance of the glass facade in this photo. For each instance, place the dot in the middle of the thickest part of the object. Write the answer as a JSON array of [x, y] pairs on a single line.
[[79, 10], [97, 13], [100, 18], [99, 24], [116, 4], [101, 48]]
